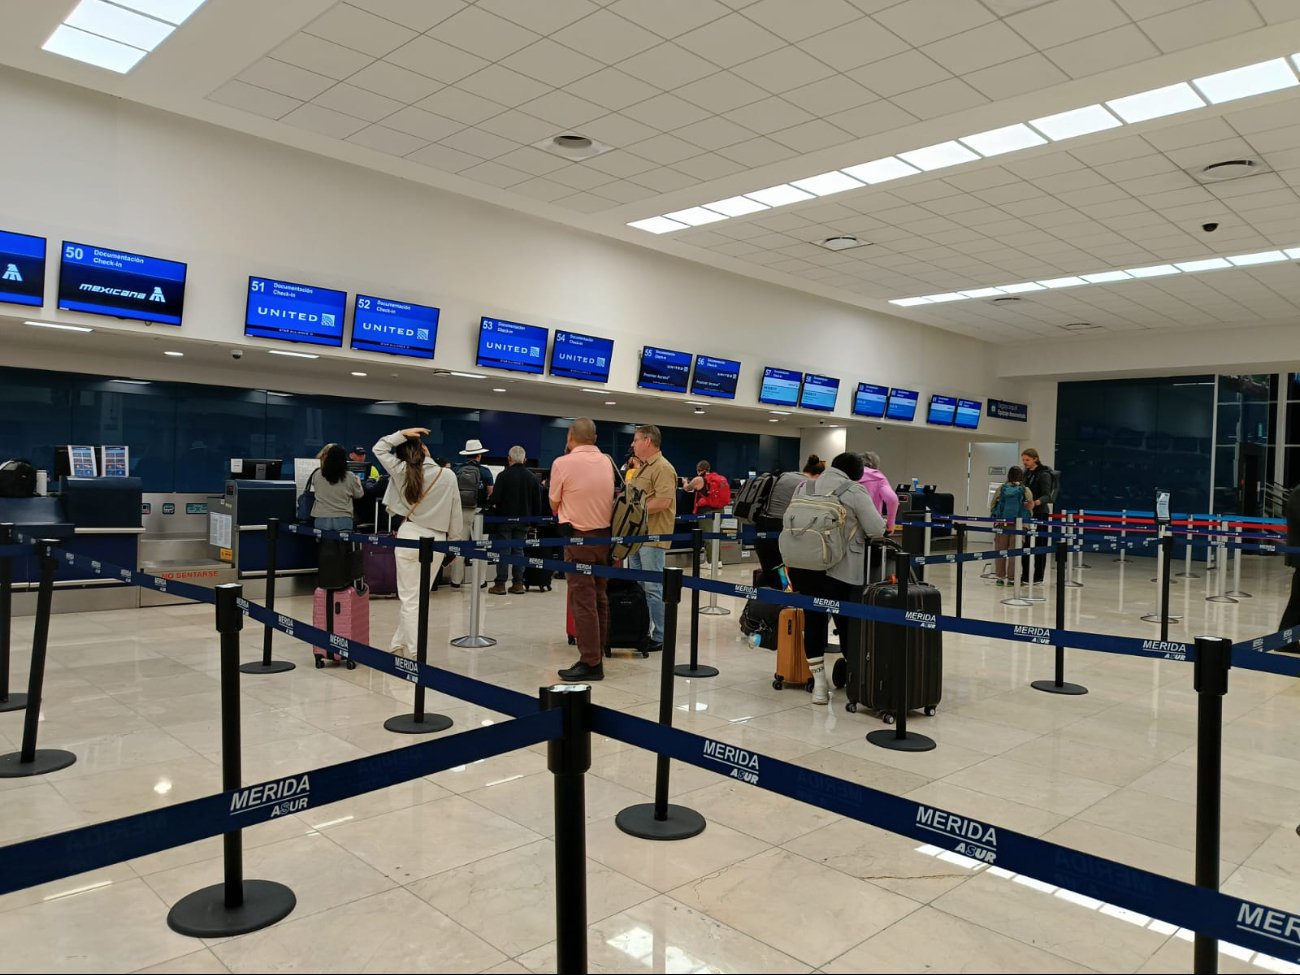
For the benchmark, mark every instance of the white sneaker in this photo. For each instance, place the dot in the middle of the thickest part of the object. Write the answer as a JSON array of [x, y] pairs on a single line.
[[821, 692]]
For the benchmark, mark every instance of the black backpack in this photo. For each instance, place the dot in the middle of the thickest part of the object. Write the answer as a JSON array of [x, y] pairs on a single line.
[[753, 496], [17, 479], [469, 480]]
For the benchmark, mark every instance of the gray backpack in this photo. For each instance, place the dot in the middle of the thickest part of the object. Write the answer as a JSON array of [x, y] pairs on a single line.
[[815, 530]]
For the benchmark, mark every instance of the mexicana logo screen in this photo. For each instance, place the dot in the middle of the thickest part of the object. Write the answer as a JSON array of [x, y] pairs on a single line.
[[585, 357], [394, 327], [664, 369], [715, 377], [22, 269], [294, 312], [512, 346], [121, 284]]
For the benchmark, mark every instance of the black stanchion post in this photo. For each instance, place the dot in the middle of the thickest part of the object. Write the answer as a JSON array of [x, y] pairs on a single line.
[[1210, 675], [900, 739], [31, 760], [694, 668], [569, 757], [961, 550], [8, 702], [1059, 685], [266, 665], [236, 906], [659, 820], [417, 722], [1166, 570]]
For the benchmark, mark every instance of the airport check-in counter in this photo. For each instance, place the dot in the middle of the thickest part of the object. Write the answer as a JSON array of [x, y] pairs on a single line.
[[237, 527]]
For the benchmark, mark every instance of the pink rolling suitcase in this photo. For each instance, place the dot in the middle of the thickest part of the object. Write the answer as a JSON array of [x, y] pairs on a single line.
[[345, 612]]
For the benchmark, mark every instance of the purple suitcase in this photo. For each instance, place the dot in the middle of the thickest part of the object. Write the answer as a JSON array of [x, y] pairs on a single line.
[[379, 569]]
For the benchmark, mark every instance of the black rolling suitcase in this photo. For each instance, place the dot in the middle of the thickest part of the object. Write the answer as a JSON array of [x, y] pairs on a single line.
[[870, 654], [629, 617]]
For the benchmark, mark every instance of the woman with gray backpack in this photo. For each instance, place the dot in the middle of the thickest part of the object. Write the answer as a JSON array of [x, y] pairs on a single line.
[[824, 535]]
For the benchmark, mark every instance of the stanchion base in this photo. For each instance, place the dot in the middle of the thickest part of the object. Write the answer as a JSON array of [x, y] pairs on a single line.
[[1016, 601], [1157, 618], [1239, 594], [274, 667], [1084, 565], [1070, 584], [1035, 599], [702, 670], [1220, 599], [911, 742], [1051, 687], [1186, 575], [473, 642], [45, 760], [14, 702], [203, 914], [1171, 579], [714, 611], [406, 724], [681, 823]]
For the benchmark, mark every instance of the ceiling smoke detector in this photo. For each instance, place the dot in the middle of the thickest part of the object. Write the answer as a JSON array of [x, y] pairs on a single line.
[[1229, 169], [573, 146], [842, 243], [1079, 326]]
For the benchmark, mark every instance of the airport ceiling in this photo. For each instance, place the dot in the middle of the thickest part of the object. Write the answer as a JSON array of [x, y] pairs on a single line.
[[689, 103]]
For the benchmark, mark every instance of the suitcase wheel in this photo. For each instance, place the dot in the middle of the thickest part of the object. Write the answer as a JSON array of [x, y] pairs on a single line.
[[929, 712], [573, 641], [809, 685], [320, 663], [609, 652], [887, 718], [840, 673], [851, 707], [777, 683], [645, 653], [352, 665]]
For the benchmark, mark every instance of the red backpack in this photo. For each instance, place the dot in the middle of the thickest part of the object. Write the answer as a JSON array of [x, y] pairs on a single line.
[[716, 494]]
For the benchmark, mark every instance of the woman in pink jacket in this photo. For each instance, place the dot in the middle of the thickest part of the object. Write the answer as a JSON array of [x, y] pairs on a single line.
[[877, 485]]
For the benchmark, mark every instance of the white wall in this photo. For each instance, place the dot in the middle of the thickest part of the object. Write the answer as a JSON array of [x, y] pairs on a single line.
[[104, 171], [825, 442]]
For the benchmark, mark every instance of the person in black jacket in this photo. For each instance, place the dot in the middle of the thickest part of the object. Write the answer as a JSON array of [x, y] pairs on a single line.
[[514, 496], [1042, 483], [1291, 615]]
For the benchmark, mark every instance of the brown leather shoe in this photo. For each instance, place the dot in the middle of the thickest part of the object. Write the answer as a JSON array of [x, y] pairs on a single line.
[[516, 590], [498, 590]]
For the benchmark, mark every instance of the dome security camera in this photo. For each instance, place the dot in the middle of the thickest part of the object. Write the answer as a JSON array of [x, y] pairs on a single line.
[[1210, 228], [236, 353]]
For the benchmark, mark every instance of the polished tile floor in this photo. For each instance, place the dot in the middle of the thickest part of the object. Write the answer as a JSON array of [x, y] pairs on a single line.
[[455, 872]]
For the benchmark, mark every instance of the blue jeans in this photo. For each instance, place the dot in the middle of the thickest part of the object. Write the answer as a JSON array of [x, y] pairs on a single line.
[[504, 569], [334, 524], [652, 560]]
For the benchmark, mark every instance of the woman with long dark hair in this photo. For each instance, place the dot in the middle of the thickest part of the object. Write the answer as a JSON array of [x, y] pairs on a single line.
[[426, 497], [335, 487]]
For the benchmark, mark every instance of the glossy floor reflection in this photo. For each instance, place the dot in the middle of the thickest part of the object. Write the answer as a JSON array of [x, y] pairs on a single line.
[[455, 872]]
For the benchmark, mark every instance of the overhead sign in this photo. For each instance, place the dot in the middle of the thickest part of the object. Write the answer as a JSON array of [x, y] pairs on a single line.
[[1004, 410]]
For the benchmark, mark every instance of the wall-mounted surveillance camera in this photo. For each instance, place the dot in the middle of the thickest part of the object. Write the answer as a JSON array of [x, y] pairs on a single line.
[[1209, 228], [236, 353]]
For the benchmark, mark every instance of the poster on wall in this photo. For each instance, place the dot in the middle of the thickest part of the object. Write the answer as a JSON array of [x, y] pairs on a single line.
[[81, 459], [117, 461]]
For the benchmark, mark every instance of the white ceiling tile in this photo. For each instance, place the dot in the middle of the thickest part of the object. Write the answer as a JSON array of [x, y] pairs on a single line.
[[830, 95], [1113, 150], [612, 89], [1192, 196], [708, 166], [624, 191], [324, 120], [1017, 192], [1195, 133], [285, 79], [463, 106], [417, 14], [902, 72], [713, 133], [920, 22], [981, 179], [669, 18], [390, 141], [1062, 21], [357, 102], [485, 34], [519, 127], [1262, 118], [721, 92], [783, 70], [769, 115], [1195, 157], [880, 116], [425, 125], [729, 41], [1200, 24], [620, 163], [1035, 167], [667, 66], [530, 160], [982, 47], [1078, 179], [811, 136], [552, 63], [796, 21], [494, 174], [504, 86], [854, 45], [541, 189], [1086, 198], [666, 112], [542, 18], [579, 177], [249, 98], [943, 98], [322, 56], [434, 59], [443, 158], [1273, 140], [1101, 52], [757, 152], [1028, 74], [665, 180], [393, 82], [1276, 11], [360, 30], [617, 130], [606, 37]]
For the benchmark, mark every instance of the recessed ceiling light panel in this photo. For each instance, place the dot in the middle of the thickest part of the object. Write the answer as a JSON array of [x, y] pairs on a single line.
[[1253, 79], [827, 183], [881, 170], [1008, 139], [736, 206], [695, 216], [939, 156], [1076, 122], [1156, 103], [779, 196], [658, 225]]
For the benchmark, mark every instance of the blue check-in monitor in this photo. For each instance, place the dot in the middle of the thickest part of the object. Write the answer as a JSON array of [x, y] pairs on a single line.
[[394, 327], [513, 346], [22, 269], [294, 312]]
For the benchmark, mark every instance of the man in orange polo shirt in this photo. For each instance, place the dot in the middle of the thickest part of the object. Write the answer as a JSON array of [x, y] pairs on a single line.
[[582, 497]]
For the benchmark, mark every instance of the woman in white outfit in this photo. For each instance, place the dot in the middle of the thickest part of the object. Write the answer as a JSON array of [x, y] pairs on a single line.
[[425, 495]]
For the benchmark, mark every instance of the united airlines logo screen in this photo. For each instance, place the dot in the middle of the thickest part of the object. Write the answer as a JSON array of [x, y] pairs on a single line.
[[902, 404], [22, 269], [968, 413], [664, 369], [124, 285], [870, 400], [819, 393], [394, 327], [780, 387], [294, 312], [942, 409], [715, 377], [511, 345], [585, 357]]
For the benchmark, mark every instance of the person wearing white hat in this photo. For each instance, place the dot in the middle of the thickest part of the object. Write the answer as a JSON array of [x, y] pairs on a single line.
[[475, 484]]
